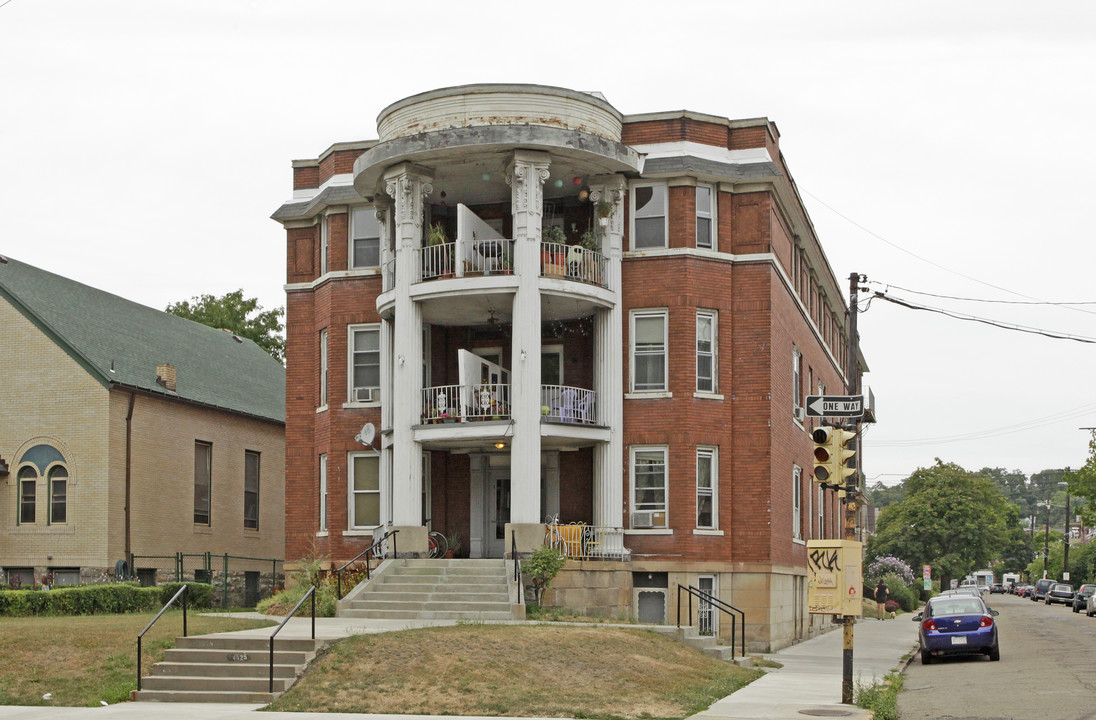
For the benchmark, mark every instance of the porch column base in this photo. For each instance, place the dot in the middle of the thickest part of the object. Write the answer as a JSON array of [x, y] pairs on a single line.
[[410, 541], [527, 536]]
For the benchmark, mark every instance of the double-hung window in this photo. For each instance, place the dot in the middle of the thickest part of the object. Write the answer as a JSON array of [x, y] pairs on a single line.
[[323, 368], [705, 351], [365, 491], [649, 493], [707, 486], [28, 487], [649, 217], [365, 238], [365, 363], [323, 245], [649, 351], [323, 494], [58, 495], [203, 480], [797, 503], [797, 380], [705, 216], [251, 490]]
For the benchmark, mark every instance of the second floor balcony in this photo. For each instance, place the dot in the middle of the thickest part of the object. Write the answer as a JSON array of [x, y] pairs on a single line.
[[482, 402]]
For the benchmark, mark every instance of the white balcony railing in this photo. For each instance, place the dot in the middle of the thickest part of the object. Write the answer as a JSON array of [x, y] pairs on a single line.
[[465, 259], [464, 403], [579, 541], [573, 262], [562, 403]]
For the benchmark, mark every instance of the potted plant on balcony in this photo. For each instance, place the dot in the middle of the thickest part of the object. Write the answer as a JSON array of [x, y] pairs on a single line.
[[551, 256], [439, 262], [453, 542], [591, 267]]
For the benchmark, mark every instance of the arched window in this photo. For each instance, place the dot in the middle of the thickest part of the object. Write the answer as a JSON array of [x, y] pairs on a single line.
[[28, 486], [58, 495]]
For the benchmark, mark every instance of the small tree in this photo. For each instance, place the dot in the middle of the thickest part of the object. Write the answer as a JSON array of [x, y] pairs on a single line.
[[543, 566], [240, 315]]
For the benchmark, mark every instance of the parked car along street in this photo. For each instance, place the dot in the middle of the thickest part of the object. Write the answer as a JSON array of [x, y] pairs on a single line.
[[1060, 593], [957, 625], [1080, 600], [1039, 592]]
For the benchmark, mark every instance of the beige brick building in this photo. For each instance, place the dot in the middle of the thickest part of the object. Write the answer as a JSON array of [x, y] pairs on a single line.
[[128, 431]]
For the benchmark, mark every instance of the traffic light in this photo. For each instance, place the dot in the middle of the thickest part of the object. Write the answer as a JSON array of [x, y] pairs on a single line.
[[831, 455]]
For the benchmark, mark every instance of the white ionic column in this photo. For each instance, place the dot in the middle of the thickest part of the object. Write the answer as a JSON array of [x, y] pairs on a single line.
[[407, 185], [609, 372], [526, 175]]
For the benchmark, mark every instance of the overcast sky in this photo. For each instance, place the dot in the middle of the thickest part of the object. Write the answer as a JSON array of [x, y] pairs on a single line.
[[940, 147]]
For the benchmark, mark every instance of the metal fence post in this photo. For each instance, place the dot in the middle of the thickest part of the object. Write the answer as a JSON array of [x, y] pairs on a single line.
[[224, 585]]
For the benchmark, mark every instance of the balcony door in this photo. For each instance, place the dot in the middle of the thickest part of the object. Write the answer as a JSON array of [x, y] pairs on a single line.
[[497, 512]]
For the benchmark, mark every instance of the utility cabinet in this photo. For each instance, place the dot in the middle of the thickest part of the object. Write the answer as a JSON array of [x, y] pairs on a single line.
[[834, 577]]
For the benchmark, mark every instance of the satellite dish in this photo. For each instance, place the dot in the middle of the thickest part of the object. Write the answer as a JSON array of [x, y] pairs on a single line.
[[365, 437]]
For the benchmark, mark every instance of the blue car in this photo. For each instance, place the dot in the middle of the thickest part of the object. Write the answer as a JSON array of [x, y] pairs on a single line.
[[957, 625]]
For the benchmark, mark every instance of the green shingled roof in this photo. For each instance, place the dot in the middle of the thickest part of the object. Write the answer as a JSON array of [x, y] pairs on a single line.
[[120, 342]]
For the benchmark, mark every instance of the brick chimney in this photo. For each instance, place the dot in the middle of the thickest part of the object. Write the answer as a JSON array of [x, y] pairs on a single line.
[[165, 376]]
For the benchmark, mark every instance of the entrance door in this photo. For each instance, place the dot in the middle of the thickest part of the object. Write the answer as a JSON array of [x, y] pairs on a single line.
[[498, 513], [706, 616]]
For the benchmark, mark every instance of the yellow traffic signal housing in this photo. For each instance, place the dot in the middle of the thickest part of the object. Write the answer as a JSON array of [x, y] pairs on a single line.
[[834, 577], [831, 454]]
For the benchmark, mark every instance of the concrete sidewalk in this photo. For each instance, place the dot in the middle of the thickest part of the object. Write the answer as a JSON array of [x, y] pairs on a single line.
[[810, 679]]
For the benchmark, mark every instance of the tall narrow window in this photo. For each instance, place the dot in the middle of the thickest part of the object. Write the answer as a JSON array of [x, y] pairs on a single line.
[[323, 368], [649, 351], [705, 351], [365, 360], [365, 491], [706, 488], [28, 487], [365, 238], [203, 480], [705, 217], [251, 490], [797, 381], [649, 487], [58, 495], [323, 245], [797, 503], [648, 217], [323, 494]]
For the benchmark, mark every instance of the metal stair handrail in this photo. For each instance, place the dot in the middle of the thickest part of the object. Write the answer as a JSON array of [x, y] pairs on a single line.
[[718, 604], [182, 591], [376, 543], [310, 594], [517, 567]]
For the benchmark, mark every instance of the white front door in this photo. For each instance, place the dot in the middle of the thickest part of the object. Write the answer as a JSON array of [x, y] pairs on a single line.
[[707, 622]]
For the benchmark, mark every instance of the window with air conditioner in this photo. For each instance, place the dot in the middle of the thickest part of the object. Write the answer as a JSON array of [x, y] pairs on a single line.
[[365, 363], [649, 491]]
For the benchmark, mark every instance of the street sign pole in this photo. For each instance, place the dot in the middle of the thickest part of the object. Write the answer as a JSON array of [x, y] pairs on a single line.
[[851, 506]]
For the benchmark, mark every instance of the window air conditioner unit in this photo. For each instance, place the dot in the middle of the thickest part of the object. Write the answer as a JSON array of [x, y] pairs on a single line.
[[364, 394], [643, 519], [800, 414]]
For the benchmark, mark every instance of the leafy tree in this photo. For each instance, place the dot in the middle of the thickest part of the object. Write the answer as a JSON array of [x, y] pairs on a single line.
[[1082, 485], [880, 496], [952, 519], [242, 316], [1015, 487]]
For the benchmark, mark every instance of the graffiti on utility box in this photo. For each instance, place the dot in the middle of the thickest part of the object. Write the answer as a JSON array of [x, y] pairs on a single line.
[[834, 577]]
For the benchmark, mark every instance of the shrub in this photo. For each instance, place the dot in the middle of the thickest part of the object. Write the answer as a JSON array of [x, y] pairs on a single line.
[[884, 566], [80, 600], [543, 566], [199, 595]]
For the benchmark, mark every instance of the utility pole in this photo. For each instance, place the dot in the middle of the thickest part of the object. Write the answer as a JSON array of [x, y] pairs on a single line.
[[1065, 559], [852, 505]]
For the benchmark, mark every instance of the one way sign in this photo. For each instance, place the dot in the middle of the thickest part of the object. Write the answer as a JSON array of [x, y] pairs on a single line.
[[846, 406]]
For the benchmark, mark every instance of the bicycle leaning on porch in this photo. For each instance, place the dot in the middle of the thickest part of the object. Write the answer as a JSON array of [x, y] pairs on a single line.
[[436, 544]]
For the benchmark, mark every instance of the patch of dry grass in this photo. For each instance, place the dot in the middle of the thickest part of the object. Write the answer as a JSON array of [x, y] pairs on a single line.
[[83, 660], [516, 670]]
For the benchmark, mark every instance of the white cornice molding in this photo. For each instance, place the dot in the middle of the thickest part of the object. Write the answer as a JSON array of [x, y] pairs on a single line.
[[685, 148]]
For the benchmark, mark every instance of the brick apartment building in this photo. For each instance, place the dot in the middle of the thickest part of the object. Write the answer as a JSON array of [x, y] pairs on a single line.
[[548, 308], [126, 430]]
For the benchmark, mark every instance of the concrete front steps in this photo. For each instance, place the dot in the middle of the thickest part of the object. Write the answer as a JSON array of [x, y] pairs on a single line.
[[432, 589], [226, 669], [707, 644]]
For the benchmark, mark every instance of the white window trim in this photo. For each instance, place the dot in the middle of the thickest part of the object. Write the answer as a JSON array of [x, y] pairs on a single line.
[[324, 243], [351, 236], [821, 513], [797, 379], [711, 216], [351, 526], [632, 216], [322, 499], [649, 313], [351, 395], [324, 371], [797, 503], [712, 452], [555, 349], [714, 317], [632, 452]]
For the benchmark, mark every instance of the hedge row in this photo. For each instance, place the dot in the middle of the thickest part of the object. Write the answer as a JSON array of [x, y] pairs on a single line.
[[95, 599]]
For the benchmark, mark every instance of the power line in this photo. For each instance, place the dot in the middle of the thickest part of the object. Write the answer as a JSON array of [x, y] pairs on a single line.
[[995, 323], [992, 432], [984, 300]]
